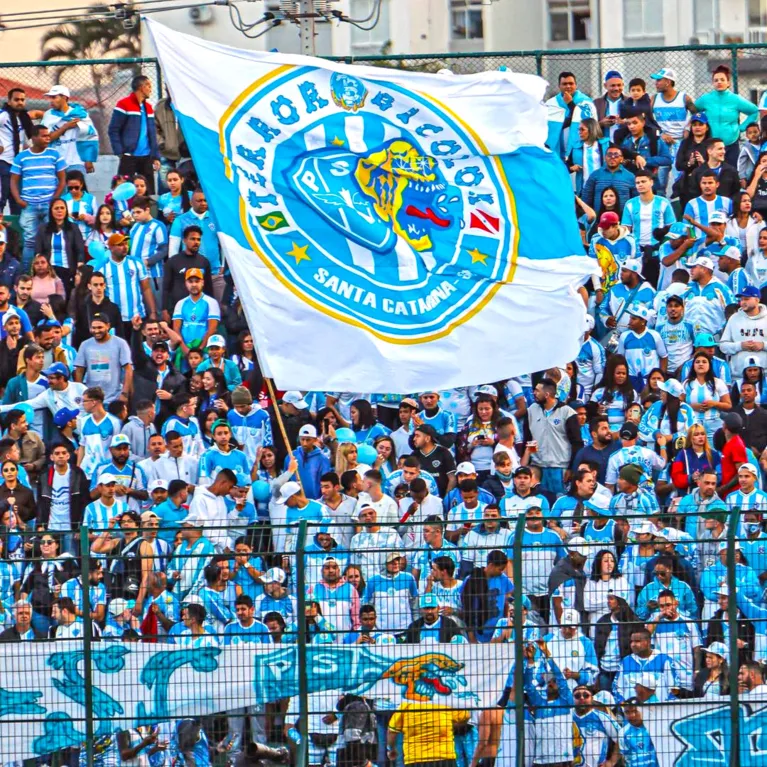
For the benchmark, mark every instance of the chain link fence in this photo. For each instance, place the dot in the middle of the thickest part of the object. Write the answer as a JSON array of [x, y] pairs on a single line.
[[97, 84], [578, 638]]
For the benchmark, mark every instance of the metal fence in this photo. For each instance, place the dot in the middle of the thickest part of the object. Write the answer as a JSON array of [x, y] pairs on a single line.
[[500, 645]]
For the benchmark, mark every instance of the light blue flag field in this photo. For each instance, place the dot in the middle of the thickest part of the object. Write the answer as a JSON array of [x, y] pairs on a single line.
[[387, 231]]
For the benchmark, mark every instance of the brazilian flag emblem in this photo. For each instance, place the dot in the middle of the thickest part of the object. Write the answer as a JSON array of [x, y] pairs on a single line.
[[272, 221]]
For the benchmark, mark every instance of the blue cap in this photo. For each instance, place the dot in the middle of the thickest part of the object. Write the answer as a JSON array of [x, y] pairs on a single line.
[[749, 292], [428, 600], [704, 339], [613, 73], [701, 117], [57, 369], [64, 416]]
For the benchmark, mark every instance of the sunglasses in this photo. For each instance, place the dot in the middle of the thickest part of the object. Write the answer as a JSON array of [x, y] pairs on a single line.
[[582, 696], [47, 543], [74, 188]]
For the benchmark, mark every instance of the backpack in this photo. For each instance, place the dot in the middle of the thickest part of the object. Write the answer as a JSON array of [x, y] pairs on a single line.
[[359, 722], [476, 604]]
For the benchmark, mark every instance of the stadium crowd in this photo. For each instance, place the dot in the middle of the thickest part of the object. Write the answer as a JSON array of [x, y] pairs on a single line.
[[134, 408]]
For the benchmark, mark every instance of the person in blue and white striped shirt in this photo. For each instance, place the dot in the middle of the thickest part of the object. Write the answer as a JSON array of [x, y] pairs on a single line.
[[646, 212], [149, 243], [700, 208], [643, 348], [128, 283]]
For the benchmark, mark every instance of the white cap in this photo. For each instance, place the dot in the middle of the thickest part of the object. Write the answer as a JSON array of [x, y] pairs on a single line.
[[604, 698], [633, 265], [717, 648], [288, 490], [274, 575], [58, 90], [193, 599], [723, 590], [158, 484], [107, 479], [578, 545], [637, 310], [718, 217], [648, 680], [589, 322], [216, 340], [672, 387], [750, 468], [307, 431], [10, 313], [465, 467], [570, 617], [486, 389], [703, 261], [642, 528], [665, 74], [296, 399], [119, 606]]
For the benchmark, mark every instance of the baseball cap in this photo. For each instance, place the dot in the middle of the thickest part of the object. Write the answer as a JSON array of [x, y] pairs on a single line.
[[643, 528], [570, 617], [465, 467], [631, 473], [672, 387], [732, 421], [717, 648], [149, 514], [107, 479], [612, 74], [3, 235], [10, 313], [194, 272], [288, 490], [673, 297], [428, 600], [749, 467], [307, 431], [633, 265], [428, 430], [163, 345], [192, 599], [718, 217], [703, 261], [392, 556], [58, 90], [704, 339], [608, 219], [664, 74], [216, 340], [723, 590], [491, 391], [729, 251], [751, 362], [274, 575], [699, 118], [676, 231], [646, 679], [589, 322], [118, 238], [296, 399], [57, 369], [578, 545], [157, 484], [64, 416], [599, 503], [629, 430], [604, 698], [410, 402], [119, 606], [748, 292], [119, 439], [637, 310]]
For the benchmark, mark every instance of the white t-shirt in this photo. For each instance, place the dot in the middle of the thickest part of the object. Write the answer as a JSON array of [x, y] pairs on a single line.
[[59, 518]]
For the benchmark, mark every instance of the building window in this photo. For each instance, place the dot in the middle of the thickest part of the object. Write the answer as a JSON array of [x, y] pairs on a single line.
[[705, 16], [569, 20], [466, 19], [757, 13], [643, 18]]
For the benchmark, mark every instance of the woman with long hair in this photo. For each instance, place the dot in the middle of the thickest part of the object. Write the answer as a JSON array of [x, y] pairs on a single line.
[[723, 109], [244, 356], [175, 201], [606, 579], [615, 393], [707, 395], [104, 226], [215, 393], [80, 202], [609, 202], [266, 463], [692, 153], [756, 268], [346, 460], [713, 680], [476, 441], [669, 420], [744, 223], [121, 208], [61, 242], [15, 496], [45, 281], [696, 456], [753, 373], [612, 638], [353, 575], [364, 423], [386, 462], [588, 154], [654, 378], [206, 420], [80, 292]]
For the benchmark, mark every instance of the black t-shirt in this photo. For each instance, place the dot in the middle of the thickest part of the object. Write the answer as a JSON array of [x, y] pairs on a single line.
[[760, 197], [174, 277], [439, 463]]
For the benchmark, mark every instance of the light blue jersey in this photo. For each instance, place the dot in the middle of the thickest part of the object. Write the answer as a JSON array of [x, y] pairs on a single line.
[[701, 209], [252, 430], [149, 244], [636, 747], [38, 172], [195, 315], [643, 351], [644, 217], [213, 460], [85, 206], [704, 306], [678, 339], [124, 286], [257, 633]]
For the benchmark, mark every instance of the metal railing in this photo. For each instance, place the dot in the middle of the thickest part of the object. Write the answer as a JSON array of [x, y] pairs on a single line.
[[60, 698]]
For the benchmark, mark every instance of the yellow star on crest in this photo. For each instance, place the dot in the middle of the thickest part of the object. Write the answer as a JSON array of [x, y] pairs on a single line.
[[337, 141], [299, 253], [476, 256]]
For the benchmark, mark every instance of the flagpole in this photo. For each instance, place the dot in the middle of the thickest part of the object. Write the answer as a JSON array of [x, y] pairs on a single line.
[[281, 423]]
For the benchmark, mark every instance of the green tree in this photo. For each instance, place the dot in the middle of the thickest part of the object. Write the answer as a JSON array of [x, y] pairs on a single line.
[[91, 38]]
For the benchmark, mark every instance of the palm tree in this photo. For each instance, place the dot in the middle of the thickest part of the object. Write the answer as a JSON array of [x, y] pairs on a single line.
[[92, 38]]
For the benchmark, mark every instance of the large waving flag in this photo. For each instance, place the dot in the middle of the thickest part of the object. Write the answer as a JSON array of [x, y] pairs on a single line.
[[387, 231]]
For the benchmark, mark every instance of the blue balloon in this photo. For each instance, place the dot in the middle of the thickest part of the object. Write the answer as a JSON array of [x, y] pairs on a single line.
[[367, 454], [345, 435], [28, 411], [261, 491], [124, 192], [97, 250]]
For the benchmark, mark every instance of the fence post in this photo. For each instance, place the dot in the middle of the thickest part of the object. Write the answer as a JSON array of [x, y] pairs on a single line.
[[519, 658], [539, 63], [85, 558], [303, 689], [732, 619], [734, 67]]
